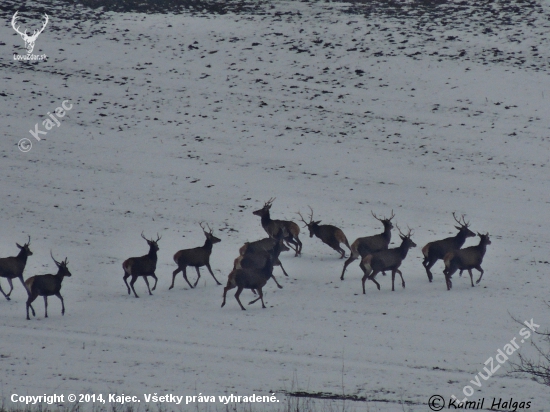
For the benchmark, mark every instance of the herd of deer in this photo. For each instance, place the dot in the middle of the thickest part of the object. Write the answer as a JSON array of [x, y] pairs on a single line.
[[254, 266]]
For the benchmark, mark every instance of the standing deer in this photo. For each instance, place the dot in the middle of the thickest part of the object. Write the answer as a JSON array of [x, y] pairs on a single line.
[[290, 229], [466, 259], [142, 266], [13, 267], [252, 278], [436, 250], [47, 285], [29, 40], [389, 259], [329, 235], [197, 257], [370, 244]]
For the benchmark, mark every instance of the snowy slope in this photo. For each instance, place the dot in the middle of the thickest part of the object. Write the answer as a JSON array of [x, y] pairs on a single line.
[[184, 118]]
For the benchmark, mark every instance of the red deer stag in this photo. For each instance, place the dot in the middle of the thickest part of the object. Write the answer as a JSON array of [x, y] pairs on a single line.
[[436, 250], [13, 267], [196, 257], [290, 229], [370, 244], [47, 285], [142, 266], [389, 259], [329, 235], [466, 259]]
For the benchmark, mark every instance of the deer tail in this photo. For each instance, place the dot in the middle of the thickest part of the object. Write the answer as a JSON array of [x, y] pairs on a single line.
[[426, 250]]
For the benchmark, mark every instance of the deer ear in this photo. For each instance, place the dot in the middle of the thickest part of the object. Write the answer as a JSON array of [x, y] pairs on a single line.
[[317, 222], [458, 227], [19, 246]]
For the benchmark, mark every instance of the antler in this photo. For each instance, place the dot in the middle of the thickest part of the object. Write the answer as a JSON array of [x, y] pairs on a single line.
[[302, 218], [158, 237], [376, 217], [392, 215], [409, 234], [463, 223], [311, 215], [29, 242], [270, 202], [35, 33], [56, 262], [144, 236], [13, 20]]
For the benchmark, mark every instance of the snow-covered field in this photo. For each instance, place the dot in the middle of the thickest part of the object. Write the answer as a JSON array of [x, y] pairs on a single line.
[[183, 118]]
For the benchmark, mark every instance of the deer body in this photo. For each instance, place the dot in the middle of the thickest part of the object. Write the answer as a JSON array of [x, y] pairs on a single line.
[[389, 259], [254, 254], [466, 259], [47, 285], [290, 229], [370, 244], [196, 257], [13, 267], [438, 249], [329, 234], [142, 266]]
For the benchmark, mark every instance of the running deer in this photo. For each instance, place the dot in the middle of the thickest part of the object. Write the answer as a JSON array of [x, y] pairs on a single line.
[[466, 259], [290, 229], [329, 235], [436, 250], [142, 266], [196, 257], [252, 278], [13, 267], [47, 285], [370, 244], [389, 259]]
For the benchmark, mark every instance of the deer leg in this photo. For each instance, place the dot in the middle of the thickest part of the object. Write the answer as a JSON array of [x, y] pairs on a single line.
[[134, 278], [210, 270], [393, 279], [225, 289], [11, 286], [275, 280], [23, 282], [480, 276], [373, 278], [281, 265], [45, 306], [174, 273], [147, 283], [347, 262], [184, 272], [6, 296], [126, 276], [198, 276], [428, 263], [239, 290], [460, 273], [402, 280], [156, 280], [31, 298], [62, 303], [299, 245]]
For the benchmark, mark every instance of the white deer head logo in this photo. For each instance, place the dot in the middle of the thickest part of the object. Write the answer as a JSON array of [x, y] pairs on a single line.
[[29, 40]]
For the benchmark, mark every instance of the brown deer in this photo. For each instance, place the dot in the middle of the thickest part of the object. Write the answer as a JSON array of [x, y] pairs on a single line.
[[142, 266], [290, 229], [196, 257], [252, 278], [370, 244], [436, 250], [329, 235], [466, 259], [47, 285], [13, 267], [389, 259]]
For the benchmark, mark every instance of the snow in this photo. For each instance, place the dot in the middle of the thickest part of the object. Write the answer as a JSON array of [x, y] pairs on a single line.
[[185, 118]]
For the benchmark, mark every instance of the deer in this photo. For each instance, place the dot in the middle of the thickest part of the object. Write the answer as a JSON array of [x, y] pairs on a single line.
[[13, 267], [466, 259], [196, 257], [253, 278], [47, 285], [436, 250], [290, 229], [370, 244], [142, 266], [29, 40], [329, 234], [389, 259]]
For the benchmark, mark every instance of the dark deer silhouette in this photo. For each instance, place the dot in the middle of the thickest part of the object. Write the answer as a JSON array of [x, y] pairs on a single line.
[[290, 229], [142, 266], [13, 267], [196, 257], [436, 250], [466, 259], [370, 244], [329, 234], [47, 285], [389, 259]]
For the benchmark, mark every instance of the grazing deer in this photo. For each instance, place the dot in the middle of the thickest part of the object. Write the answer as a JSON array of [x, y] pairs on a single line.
[[329, 235], [370, 244], [389, 259], [13, 267], [253, 278], [290, 229], [47, 285], [142, 266], [436, 250], [29, 40], [197, 257], [466, 259]]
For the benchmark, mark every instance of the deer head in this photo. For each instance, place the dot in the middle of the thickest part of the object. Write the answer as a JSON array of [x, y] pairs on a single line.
[[385, 221], [463, 226], [29, 40], [406, 238], [152, 243], [264, 210], [62, 266], [311, 225], [25, 247], [209, 236]]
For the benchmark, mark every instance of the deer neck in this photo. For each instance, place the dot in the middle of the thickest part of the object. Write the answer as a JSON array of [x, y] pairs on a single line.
[[404, 249], [208, 245], [152, 254], [460, 238], [22, 256], [266, 218], [387, 234]]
